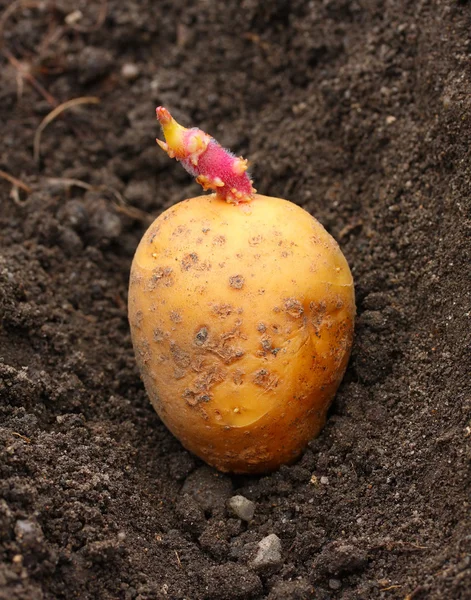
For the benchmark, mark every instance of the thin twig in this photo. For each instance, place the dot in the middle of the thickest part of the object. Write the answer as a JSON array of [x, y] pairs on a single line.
[[391, 587], [66, 181], [349, 228], [134, 213], [55, 113], [16, 182], [23, 437]]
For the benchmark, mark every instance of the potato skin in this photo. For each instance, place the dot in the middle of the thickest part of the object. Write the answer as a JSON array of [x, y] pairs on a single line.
[[242, 322]]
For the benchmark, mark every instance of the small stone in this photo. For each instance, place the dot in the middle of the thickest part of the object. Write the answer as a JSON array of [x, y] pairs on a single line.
[[390, 119], [73, 17], [130, 71], [334, 584], [268, 557], [241, 507], [324, 480], [29, 534]]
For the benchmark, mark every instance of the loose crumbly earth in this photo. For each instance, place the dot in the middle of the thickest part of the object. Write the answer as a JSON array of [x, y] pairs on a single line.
[[357, 110]]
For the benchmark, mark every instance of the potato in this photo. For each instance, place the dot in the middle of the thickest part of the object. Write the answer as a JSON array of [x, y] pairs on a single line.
[[242, 320]]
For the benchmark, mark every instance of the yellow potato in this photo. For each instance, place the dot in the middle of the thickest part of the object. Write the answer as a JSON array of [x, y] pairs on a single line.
[[242, 320]]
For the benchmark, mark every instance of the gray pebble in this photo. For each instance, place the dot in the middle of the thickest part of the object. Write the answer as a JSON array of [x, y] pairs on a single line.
[[29, 534], [241, 507], [130, 71], [268, 557]]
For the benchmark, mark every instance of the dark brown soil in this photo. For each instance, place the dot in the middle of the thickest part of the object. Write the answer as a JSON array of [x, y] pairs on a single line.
[[360, 112]]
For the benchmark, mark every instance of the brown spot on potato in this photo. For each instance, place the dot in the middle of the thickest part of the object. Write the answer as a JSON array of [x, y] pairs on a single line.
[[158, 335], [197, 364], [201, 336], [318, 313], [189, 261], [255, 240], [190, 397], [192, 261], [175, 316], [138, 319], [266, 342], [180, 230], [200, 391], [225, 350], [143, 352], [219, 240], [263, 378], [223, 310], [160, 276], [179, 356], [236, 282], [261, 327], [228, 354], [294, 308], [152, 233], [221, 345]]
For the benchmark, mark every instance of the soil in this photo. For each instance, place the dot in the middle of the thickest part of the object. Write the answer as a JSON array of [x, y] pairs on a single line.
[[359, 111]]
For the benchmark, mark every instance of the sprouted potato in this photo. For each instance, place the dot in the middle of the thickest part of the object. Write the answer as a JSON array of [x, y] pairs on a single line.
[[241, 309]]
